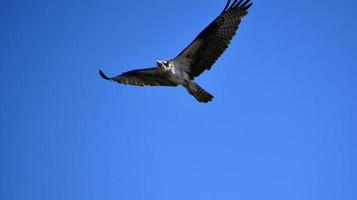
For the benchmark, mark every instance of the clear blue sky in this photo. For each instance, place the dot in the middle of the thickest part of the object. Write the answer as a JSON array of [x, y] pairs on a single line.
[[282, 125]]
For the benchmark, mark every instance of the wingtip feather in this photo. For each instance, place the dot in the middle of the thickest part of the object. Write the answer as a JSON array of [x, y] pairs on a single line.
[[248, 5], [101, 73], [227, 5], [242, 4]]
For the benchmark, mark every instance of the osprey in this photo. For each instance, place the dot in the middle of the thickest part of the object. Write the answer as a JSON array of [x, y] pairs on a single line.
[[200, 55]]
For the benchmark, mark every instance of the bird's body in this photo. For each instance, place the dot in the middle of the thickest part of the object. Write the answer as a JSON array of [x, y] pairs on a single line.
[[199, 56], [173, 72]]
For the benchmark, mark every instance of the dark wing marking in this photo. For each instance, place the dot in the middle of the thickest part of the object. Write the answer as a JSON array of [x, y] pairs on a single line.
[[210, 44], [141, 77]]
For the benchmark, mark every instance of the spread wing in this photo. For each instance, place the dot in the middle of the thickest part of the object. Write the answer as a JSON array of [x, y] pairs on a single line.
[[210, 44], [141, 77]]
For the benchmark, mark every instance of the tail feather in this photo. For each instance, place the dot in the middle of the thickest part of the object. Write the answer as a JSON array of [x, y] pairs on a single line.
[[101, 73], [199, 93]]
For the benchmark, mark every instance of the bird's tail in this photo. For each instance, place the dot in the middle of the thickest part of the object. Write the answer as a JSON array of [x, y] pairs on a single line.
[[101, 73], [200, 94]]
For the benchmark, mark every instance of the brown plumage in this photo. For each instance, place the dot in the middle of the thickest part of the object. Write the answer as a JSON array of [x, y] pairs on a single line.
[[210, 44], [140, 77], [200, 55]]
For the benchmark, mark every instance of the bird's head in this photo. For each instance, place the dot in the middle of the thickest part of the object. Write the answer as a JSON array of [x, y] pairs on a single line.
[[161, 63]]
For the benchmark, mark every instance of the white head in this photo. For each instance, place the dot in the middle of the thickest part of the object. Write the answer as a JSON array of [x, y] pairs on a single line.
[[161, 63]]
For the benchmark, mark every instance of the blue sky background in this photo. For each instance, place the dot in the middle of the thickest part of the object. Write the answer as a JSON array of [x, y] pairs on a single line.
[[282, 125]]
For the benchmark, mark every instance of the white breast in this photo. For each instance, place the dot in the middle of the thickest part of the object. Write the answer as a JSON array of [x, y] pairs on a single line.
[[178, 74]]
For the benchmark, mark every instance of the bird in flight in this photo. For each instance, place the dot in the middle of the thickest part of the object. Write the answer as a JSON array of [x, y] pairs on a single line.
[[198, 56]]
